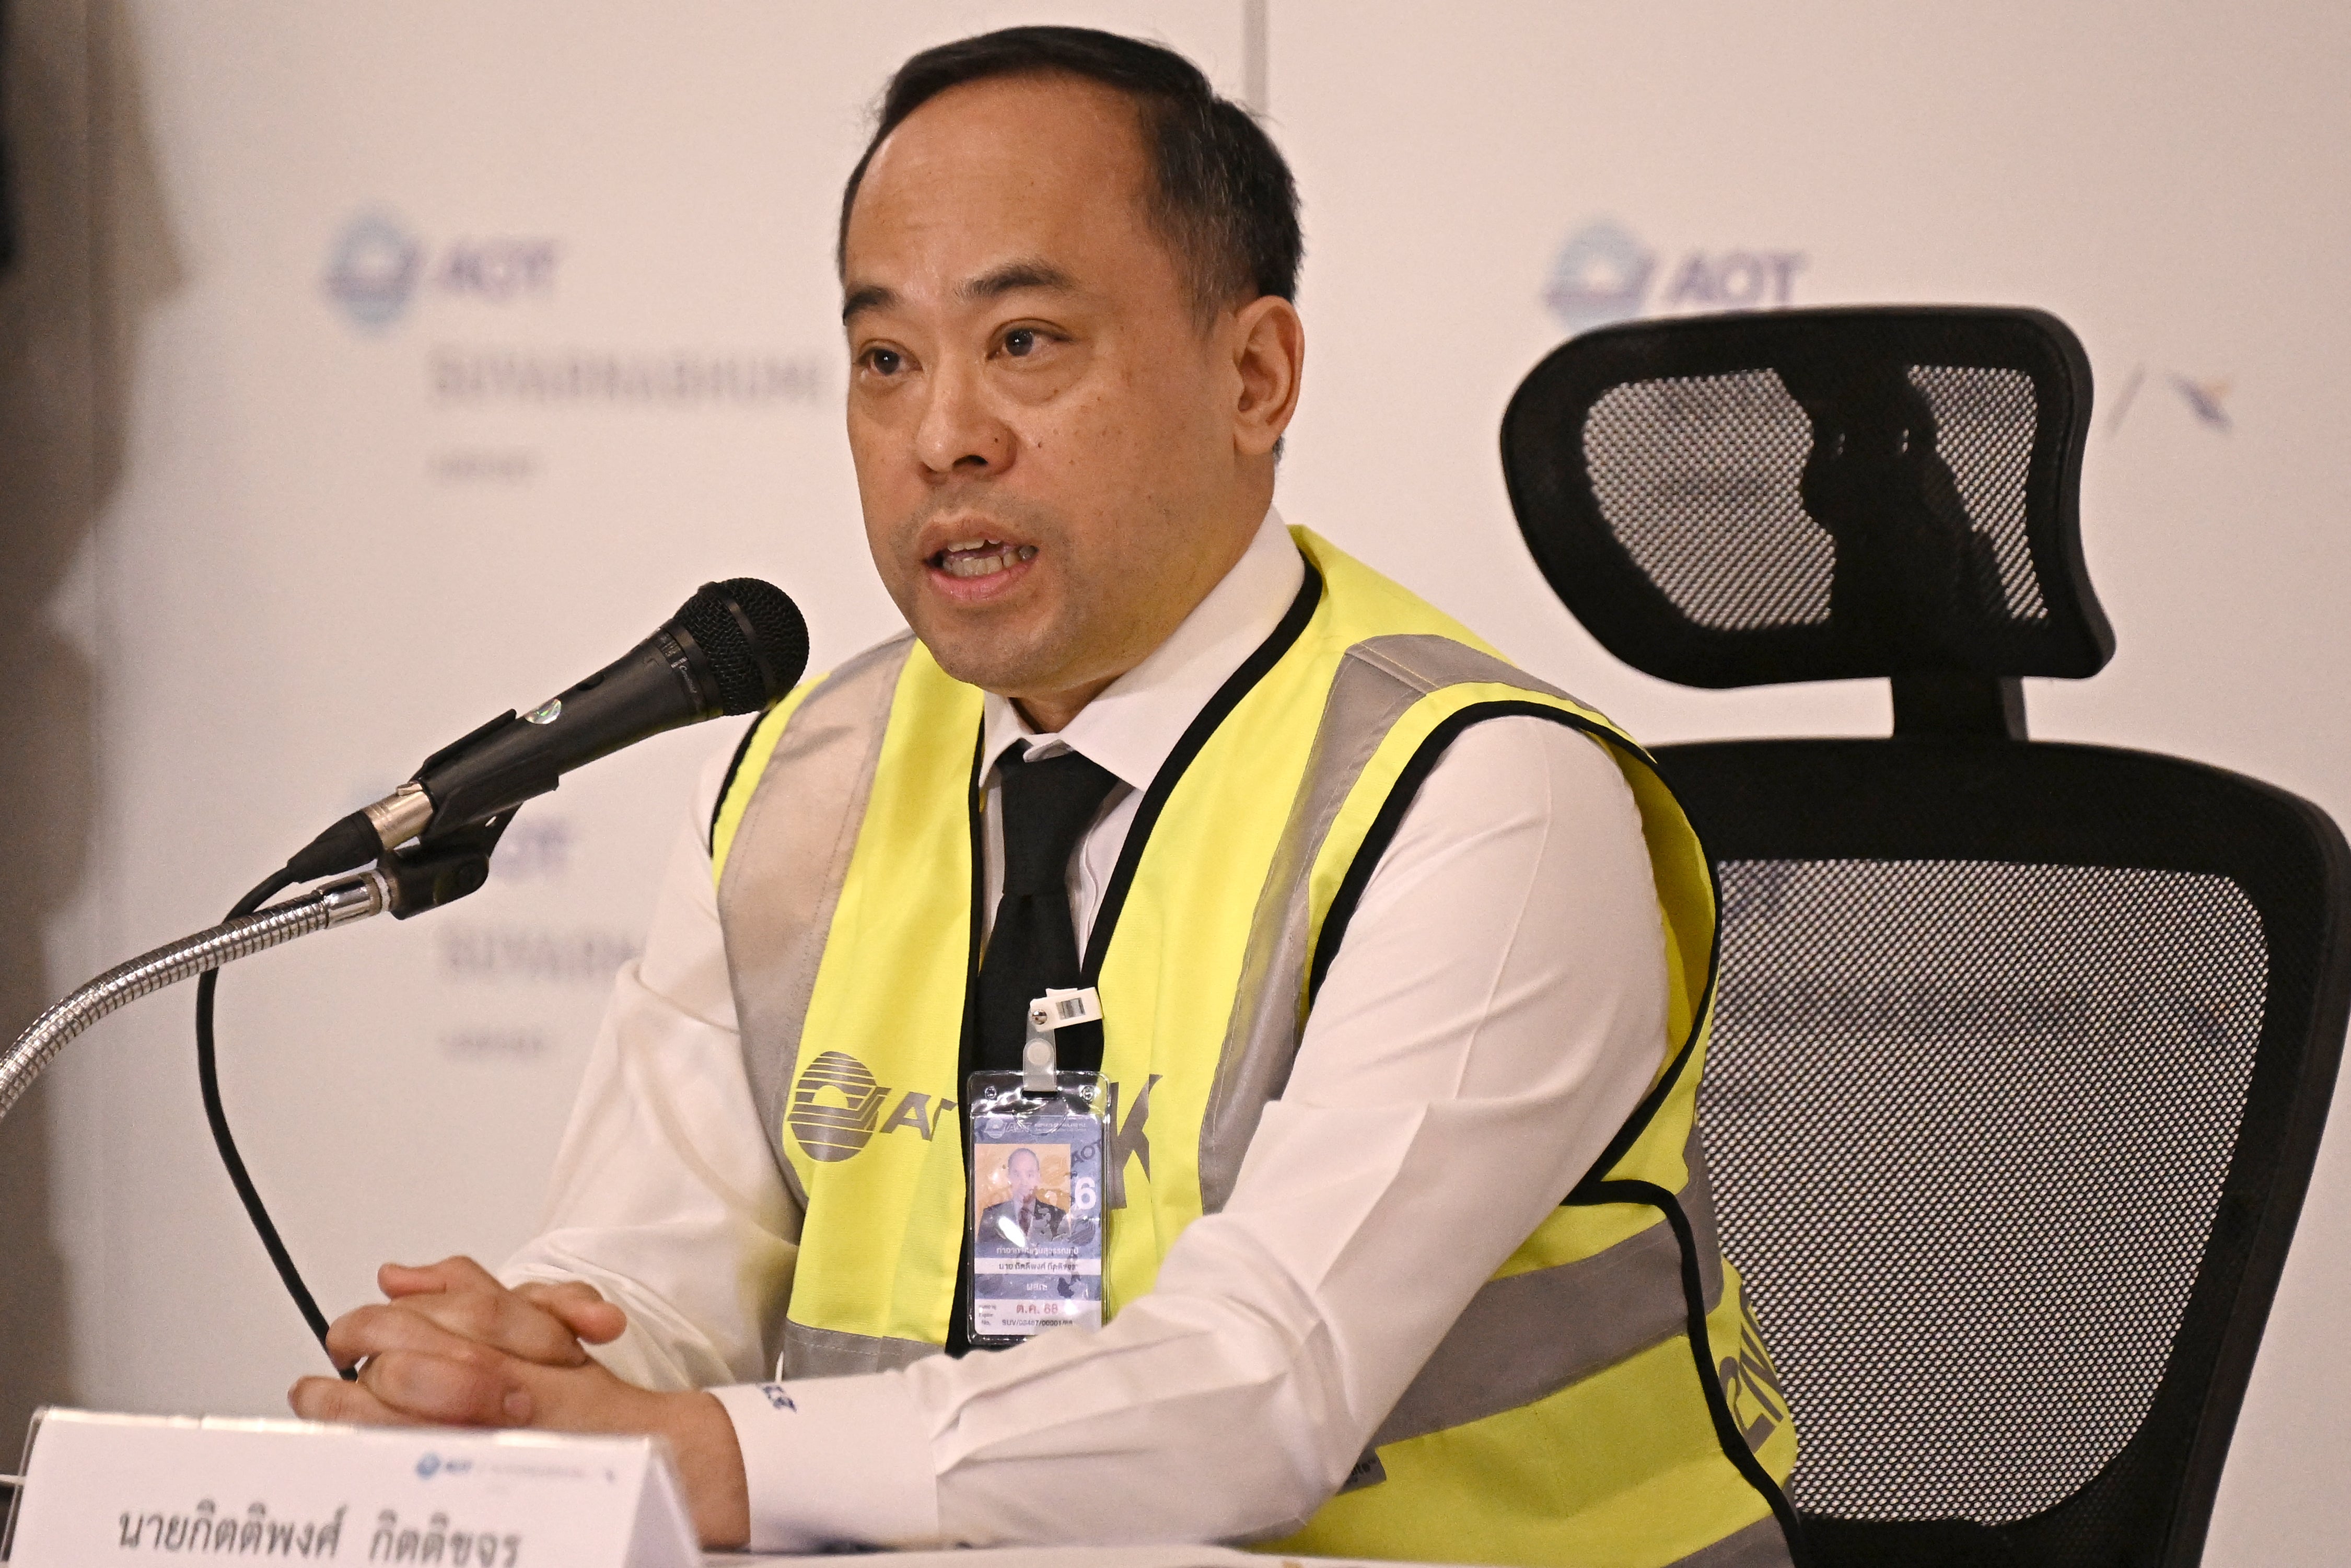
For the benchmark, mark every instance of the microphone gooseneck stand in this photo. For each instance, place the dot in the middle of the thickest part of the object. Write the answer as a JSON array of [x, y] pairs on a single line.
[[248, 929], [405, 883], [243, 934], [733, 648]]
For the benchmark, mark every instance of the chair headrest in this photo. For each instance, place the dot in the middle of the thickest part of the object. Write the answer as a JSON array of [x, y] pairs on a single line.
[[1815, 495]]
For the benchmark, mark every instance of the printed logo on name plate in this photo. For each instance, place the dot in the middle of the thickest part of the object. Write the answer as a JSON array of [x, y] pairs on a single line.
[[1604, 272]]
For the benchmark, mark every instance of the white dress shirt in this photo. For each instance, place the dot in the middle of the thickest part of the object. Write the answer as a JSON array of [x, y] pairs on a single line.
[[1495, 1013]]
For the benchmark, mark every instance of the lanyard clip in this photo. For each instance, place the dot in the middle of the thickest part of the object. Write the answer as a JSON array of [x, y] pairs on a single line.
[[1056, 1010]]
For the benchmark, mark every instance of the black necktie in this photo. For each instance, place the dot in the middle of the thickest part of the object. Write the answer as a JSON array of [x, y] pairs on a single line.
[[1047, 806]]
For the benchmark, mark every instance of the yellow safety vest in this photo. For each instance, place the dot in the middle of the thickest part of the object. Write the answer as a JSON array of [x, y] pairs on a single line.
[[1563, 1419]]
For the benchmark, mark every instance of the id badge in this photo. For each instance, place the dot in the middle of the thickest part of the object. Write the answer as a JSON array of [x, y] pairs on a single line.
[[1036, 1143]]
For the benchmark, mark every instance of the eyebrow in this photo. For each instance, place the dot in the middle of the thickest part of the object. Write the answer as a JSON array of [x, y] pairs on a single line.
[[1029, 272], [1011, 278], [870, 296]]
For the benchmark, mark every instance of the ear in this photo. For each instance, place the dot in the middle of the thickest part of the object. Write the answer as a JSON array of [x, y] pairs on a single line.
[[1268, 346]]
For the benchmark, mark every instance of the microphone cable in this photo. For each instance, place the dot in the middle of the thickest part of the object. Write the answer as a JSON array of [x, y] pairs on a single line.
[[208, 1078]]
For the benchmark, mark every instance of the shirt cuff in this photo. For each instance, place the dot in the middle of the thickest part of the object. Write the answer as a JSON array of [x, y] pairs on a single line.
[[833, 1462]]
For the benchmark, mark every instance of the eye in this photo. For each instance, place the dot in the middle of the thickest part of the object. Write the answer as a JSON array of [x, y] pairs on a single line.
[[1020, 342], [884, 361]]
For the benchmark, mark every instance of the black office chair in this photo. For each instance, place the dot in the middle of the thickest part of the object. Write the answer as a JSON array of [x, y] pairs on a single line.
[[2021, 1051]]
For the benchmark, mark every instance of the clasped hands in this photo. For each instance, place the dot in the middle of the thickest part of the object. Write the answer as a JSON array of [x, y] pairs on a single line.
[[452, 1346]]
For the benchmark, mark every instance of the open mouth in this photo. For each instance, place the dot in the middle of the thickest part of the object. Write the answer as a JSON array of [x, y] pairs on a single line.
[[980, 557]]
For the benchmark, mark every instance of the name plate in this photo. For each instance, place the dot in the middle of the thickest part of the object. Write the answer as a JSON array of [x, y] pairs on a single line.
[[103, 1489]]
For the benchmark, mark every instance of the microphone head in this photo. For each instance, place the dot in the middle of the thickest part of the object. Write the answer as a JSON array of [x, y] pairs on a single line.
[[753, 635]]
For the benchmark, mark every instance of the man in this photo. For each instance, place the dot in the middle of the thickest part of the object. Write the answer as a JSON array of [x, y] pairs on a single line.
[[1023, 1217], [1395, 949]]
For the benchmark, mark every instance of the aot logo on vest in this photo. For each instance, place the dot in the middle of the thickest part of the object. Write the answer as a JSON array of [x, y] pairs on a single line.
[[1750, 1383], [837, 1108]]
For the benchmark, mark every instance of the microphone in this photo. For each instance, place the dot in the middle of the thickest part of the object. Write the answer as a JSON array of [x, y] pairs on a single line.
[[733, 648]]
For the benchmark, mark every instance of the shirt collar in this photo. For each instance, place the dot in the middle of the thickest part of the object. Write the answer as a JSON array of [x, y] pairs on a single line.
[[1134, 724]]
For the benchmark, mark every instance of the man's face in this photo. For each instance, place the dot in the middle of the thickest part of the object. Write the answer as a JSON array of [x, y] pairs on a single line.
[[1045, 437], [1021, 1172]]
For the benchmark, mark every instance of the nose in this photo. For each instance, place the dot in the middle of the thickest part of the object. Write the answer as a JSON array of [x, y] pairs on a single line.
[[960, 435]]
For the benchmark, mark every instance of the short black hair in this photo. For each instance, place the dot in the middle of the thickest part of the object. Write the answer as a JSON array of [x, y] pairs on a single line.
[[1225, 200]]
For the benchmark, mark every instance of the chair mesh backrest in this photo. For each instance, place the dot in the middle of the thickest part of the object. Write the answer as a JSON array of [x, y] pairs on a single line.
[[2019, 1052], [2019, 1060], [1969, 1124], [1814, 494]]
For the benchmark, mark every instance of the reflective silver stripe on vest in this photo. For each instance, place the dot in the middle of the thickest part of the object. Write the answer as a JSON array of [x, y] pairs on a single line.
[[1521, 1339], [1528, 1337], [1378, 682], [786, 869], [1760, 1545], [829, 1353]]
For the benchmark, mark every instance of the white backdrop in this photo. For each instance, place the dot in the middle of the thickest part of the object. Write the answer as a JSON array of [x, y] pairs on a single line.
[[465, 340]]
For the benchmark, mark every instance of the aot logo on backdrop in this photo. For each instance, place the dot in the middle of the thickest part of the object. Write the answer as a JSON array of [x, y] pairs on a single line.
[[1604, 273], [378, 267], [2204, 396]]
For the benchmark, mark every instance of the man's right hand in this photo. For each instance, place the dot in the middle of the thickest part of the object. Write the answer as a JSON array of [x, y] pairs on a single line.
[[452, 1346], [435, 1347], [541, 1323]]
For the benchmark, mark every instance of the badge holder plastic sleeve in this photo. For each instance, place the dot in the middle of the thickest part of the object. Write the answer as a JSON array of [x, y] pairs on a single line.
[[1049, 1274]]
